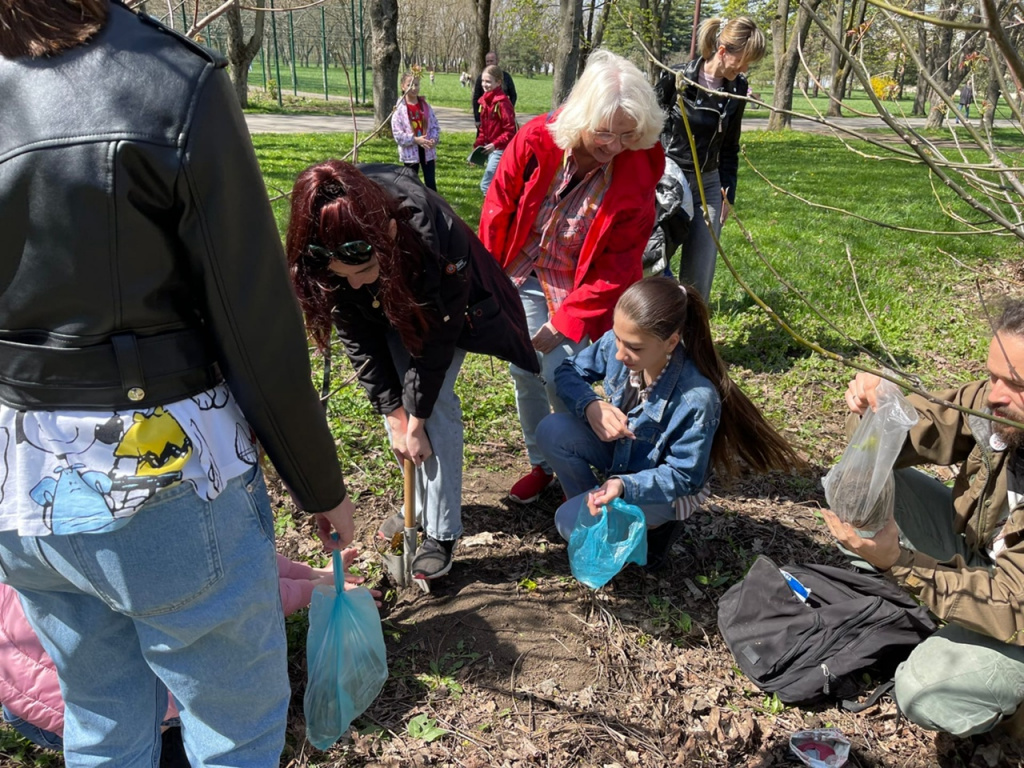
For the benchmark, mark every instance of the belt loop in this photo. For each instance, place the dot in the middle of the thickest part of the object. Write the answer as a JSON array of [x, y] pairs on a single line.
[[129, 365]]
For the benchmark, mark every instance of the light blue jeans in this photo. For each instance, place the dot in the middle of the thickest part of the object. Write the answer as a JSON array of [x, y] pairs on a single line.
[[185, 598], [958, 681], [439, 478], [490, 169], [698, 255], [573, 451], [536, 396]]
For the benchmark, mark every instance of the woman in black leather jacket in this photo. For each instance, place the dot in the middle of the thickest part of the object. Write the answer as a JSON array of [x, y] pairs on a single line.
[[139, 381], [410, 289], [708, 83]]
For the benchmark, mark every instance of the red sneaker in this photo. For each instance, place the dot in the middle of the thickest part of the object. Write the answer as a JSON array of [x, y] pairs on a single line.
[[528, 488]]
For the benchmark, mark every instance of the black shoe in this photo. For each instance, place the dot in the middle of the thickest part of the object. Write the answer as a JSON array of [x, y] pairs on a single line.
[[433, 559], [659, 544]]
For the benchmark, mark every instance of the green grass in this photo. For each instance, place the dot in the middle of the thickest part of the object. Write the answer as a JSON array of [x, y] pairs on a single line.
[[923, 303], [533, 93]]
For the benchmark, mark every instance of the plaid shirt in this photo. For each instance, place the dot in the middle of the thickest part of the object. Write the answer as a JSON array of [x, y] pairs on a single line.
[[562, 223]]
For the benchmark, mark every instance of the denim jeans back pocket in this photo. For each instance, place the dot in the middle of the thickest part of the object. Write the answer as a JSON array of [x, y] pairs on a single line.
[[163, 559]]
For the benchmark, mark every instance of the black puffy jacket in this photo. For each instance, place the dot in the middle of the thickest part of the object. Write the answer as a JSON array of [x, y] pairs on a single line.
[[716, 133], [139, 258], [470, 304]]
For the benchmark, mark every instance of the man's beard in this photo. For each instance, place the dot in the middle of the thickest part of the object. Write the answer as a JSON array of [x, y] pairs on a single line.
[[1012, 436]]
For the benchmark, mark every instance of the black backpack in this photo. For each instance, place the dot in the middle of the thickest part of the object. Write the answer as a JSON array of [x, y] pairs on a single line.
[[812, 651]]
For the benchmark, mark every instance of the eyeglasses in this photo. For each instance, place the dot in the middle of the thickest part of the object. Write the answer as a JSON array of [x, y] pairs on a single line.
[[354, 253], [607, 137]]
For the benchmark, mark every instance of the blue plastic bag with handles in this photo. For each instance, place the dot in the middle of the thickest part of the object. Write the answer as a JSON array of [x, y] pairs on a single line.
[[345, 657], [601, 545]]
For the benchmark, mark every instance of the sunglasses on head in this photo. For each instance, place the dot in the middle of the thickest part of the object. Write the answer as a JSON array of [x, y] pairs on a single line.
[[354, 253]]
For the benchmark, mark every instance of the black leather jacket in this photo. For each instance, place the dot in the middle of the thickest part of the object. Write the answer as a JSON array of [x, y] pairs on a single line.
[[469, 303], [716, 133], [139, 258]]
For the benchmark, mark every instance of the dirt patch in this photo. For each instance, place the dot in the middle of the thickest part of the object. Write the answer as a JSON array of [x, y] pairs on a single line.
[[517, 664]]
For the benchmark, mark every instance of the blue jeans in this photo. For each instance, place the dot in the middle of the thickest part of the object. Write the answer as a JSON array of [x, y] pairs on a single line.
[[185, 598], [698, 255], [439, 478], [536, 396], [573, 451], [38, 736], [492, 166]]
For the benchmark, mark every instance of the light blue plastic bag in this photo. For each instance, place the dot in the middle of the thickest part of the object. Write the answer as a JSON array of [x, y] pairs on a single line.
[[599, 546], [345, 657]]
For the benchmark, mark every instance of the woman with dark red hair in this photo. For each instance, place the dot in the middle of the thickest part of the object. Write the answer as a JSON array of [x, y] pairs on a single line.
[[410, 289]]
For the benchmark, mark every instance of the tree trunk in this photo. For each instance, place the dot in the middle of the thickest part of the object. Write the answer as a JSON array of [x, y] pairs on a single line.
[[787, 60], [241, 52], [483, 35], [570, 14], [851, 41], [836, 65], [386, 57]]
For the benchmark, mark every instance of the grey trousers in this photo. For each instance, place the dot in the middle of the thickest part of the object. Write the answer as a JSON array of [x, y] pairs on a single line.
[[958, 681]]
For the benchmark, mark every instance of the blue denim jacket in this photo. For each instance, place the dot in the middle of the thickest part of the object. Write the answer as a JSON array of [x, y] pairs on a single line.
[[674, 428]]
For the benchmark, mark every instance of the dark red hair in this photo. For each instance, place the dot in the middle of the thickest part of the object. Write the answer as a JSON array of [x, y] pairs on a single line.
[[334, 203]]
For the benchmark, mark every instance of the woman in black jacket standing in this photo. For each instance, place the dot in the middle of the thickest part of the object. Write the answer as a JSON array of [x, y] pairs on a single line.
[[410, 289], [727, 48]]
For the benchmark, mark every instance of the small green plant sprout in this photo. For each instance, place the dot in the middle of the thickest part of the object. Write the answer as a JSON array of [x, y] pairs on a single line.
[[425, 729], [436, 680], [772, 705], [527, 584], [716, 578], [442, 671], [667, 616], [283, 521]]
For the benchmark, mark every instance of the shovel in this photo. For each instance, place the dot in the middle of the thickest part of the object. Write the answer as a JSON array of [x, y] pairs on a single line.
[[400, 566]]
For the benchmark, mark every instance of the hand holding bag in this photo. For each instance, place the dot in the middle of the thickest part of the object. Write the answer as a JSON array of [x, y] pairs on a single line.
[[599, 546], [345, 657]]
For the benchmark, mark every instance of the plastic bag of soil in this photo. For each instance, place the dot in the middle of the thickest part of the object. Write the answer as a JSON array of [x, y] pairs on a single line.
[[345, 656], [860, 489], [601, 545]]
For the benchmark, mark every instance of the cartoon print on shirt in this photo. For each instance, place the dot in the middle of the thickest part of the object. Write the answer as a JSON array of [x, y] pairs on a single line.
[[75, 502], [76, 472], [245, 444], [72, 501]]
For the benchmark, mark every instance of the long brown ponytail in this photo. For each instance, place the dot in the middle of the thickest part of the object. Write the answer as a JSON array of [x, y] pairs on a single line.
[[660, 306]]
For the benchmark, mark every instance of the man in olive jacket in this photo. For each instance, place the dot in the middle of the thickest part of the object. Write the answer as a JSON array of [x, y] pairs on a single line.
[[960, 551]]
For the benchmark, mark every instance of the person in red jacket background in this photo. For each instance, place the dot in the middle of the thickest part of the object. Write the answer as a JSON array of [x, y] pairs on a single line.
[[567, 216], [497, 122]]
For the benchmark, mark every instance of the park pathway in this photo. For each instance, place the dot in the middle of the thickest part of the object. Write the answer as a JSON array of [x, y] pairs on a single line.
[[451, 119]]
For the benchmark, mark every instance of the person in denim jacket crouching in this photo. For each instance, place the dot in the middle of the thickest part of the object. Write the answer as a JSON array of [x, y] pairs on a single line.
[[670, 415]]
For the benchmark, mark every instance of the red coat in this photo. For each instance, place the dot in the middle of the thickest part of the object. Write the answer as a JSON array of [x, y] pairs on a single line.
[[497, 120], [610, 258]]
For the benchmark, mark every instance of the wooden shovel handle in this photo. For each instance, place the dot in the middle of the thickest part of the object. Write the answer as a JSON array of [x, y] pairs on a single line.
[[409, 470]]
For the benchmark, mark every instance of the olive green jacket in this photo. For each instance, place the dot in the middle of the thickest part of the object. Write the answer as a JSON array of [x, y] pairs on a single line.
[[986, 600]]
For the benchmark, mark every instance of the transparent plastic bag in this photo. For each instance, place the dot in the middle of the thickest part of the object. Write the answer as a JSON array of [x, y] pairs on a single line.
[[345, 657], [600, 545], [860, 488]]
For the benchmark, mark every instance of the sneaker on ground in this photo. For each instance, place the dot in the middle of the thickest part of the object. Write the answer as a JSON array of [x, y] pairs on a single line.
[[529, 488], [659, 544], [433, 559]]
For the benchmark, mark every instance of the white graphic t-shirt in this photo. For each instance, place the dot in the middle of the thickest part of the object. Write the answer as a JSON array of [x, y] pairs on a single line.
[[67, 472]]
